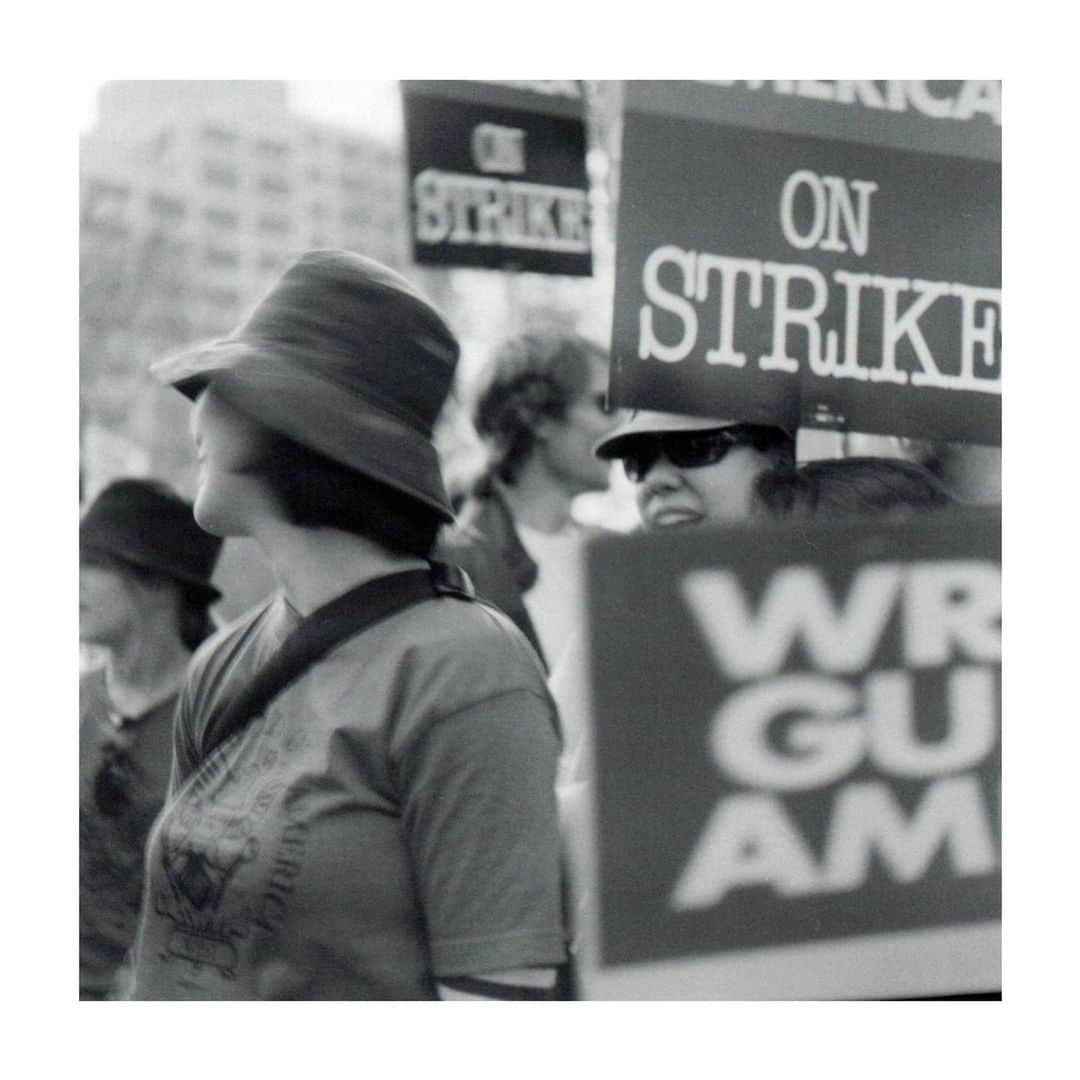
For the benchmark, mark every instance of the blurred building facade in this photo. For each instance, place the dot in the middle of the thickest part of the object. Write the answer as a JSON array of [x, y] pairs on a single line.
[[193, 195]]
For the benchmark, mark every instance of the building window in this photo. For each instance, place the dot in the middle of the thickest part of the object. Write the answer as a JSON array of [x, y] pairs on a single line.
[[273, 185], [166, 208], [224, 219], [220, 175], [270, 223], [103, 203], [218, 136], [103, 189], [271, 149], [174, 249], [221, 257], [159, 249], [105, 228]]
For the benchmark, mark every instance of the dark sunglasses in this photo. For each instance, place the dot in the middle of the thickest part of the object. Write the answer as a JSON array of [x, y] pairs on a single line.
[[684, 449]]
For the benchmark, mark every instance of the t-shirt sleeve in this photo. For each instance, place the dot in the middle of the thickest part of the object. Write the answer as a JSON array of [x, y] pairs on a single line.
[[479, 810]]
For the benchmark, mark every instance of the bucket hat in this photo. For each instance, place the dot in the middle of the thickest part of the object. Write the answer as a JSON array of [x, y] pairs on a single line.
[[148, 525], [345, 357]]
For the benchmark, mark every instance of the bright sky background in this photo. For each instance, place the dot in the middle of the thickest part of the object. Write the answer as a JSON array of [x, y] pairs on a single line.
[[372, 106]]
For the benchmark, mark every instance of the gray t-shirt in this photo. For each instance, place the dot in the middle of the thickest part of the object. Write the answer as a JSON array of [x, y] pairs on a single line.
[[390, 819]]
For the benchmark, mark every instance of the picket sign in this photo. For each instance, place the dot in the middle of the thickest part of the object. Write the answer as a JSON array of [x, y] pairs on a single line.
[[815, 253], [795, 762], [497, 175]]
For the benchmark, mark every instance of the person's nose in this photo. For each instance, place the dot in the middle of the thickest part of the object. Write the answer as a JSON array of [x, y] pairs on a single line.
[[662, 477]]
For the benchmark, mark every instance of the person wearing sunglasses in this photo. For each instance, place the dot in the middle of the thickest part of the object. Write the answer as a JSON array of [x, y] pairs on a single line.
[[690, 470], [540, 405], [144, 599]]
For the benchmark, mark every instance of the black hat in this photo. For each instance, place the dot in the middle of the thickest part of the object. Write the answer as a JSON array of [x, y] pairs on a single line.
[[147, 525], [345, 357]]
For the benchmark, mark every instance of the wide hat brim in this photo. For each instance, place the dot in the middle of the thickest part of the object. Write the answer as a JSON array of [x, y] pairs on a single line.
[[274, 384], [115, 550], [646, 422]]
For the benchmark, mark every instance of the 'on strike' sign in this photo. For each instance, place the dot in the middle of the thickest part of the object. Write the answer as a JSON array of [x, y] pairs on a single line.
[[497, 175], [824, 253], [797, 761]]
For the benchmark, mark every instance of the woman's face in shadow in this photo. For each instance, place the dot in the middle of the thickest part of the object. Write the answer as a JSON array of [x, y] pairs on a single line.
[[229, 444]]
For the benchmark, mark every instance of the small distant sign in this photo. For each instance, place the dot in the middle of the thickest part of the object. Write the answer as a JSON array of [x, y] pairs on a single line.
[[497, 175]]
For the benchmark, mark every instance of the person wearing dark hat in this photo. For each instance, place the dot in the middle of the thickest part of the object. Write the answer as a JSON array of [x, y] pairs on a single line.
[[384, 825], [689, 470], [144, 598]]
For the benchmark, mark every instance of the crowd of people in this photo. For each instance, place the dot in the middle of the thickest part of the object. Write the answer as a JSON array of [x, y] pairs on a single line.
[[370, 785]]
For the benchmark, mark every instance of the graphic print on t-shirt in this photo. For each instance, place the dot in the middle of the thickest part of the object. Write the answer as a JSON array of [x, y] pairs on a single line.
[[211, 833]]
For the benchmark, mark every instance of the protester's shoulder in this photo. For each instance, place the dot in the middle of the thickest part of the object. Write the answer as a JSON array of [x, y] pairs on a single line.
[[451, 653], [471, 630], [465, 661]]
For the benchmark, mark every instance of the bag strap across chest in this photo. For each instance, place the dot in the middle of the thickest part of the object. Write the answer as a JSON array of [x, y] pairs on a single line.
[[342, 618]]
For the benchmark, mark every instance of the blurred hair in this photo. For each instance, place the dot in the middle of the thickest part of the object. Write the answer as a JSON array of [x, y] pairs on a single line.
[[531, 377], [844, 487], [318, 492]]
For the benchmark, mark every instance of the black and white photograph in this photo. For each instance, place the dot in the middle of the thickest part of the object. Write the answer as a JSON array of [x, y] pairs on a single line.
[[544, 545], [539, 551]]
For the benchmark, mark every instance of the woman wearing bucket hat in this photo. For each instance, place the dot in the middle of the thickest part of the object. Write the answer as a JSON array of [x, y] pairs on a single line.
[[374, 817], [144, 594]]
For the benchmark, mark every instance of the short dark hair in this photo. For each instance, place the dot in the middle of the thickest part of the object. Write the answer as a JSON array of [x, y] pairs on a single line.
[[532, 376], [196, 622], [318, 492], [841, 487]]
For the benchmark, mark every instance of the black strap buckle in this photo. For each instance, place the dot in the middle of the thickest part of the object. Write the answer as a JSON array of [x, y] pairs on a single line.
[[451, 581]]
